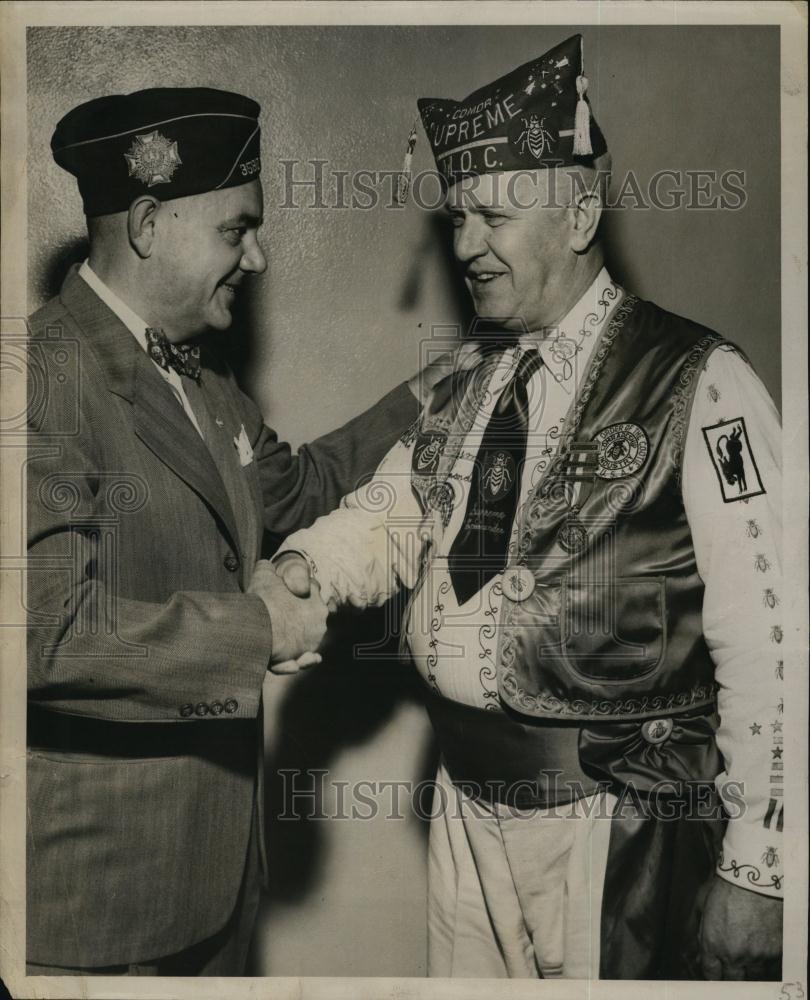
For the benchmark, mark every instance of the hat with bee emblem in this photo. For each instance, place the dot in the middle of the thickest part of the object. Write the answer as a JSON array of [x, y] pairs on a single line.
[[534, 117], [169, 142]]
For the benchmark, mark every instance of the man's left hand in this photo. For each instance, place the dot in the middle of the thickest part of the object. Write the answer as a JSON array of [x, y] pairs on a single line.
[[741, 933]]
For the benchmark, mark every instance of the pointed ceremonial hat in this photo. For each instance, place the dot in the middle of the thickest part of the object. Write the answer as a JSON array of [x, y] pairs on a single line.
[[537, 116]]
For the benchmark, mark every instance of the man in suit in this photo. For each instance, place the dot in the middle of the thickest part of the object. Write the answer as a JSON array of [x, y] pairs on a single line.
[[152, 482], [590, 524]]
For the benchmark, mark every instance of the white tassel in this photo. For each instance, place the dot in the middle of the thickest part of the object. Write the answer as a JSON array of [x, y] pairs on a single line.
[[404, 182], [582, 121]]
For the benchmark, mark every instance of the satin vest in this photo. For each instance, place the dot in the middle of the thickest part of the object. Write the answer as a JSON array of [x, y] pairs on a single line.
[[601, 610]]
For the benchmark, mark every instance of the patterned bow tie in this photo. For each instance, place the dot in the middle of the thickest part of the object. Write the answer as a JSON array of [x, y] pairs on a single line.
[[182, 358]]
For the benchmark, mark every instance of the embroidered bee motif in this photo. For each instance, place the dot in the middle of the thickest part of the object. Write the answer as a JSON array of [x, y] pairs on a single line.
[[658, 729], [713, 393], [769, 599], [498, 478], [780, 707], [428, 454], [776, 633], [761, 563], [770, 857], [752, 529], [780, 670], [535, 136]]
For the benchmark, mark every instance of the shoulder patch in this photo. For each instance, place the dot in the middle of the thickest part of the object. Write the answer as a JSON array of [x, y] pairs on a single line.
[[733, 460]]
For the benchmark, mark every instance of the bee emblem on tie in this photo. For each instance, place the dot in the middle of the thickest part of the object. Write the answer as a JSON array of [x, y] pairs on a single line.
[[498, 477]]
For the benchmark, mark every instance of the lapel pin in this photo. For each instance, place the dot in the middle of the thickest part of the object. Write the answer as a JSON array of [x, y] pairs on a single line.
[[242, 445]]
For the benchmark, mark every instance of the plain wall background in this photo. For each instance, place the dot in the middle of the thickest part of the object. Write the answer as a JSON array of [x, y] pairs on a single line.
[[349, 295]]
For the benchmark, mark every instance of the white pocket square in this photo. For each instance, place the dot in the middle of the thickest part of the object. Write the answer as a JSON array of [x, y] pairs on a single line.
[[242, 445]]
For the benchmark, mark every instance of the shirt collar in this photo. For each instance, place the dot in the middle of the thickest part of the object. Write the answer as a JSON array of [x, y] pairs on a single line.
[[566, 348], [131, 320]]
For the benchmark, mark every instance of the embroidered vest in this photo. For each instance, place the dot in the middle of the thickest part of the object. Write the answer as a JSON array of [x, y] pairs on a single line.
[[601, 610]]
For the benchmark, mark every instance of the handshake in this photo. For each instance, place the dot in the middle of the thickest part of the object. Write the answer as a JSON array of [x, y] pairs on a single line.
[[297, 612]]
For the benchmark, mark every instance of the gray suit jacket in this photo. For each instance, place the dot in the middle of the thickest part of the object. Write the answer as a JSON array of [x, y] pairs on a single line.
[[145, 656]]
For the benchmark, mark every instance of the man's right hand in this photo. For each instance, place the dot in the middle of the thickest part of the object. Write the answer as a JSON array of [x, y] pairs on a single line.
[[299, 623]]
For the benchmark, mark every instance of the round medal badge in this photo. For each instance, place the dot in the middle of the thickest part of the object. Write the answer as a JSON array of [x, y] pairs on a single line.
[[441, 497], [518, 583], [572, 536], [623, 450]]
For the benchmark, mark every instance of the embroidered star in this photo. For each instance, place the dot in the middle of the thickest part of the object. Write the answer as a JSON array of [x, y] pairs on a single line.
[[777, 753], [756, 729], [776, 727]]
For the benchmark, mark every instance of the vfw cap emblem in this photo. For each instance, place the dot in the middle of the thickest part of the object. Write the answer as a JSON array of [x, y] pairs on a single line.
[[153, 159]]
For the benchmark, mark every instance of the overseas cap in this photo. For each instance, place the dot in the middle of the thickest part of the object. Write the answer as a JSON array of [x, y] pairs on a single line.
[[167, 142], [534, 117]]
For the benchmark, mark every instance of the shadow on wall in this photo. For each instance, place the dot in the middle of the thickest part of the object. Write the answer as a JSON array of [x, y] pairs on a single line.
[[57, 266], [617, 260], [251, 315], [436, 243], [345, 703]]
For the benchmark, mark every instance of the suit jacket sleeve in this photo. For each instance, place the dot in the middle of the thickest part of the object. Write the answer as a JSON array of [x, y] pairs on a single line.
[[299, 488]]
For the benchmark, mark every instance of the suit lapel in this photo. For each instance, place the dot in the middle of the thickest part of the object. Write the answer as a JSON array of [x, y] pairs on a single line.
[[245, 479], [164, 428], [223, 428], [158, 417]]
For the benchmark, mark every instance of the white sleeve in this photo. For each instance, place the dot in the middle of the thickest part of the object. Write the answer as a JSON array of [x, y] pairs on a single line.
[[361, 553], [732, 495]]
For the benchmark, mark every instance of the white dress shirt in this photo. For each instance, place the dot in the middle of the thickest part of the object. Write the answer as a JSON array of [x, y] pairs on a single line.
[[363, 552], [137, 327]]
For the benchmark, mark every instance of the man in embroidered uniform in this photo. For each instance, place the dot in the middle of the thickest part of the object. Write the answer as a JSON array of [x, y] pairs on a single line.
[[589, 522], [152, 484]]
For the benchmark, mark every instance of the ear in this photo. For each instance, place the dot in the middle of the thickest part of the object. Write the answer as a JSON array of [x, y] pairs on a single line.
[[141, 220], [586, 213]]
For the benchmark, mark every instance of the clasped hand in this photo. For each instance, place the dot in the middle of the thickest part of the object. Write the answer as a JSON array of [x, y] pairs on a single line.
[[297, 613]]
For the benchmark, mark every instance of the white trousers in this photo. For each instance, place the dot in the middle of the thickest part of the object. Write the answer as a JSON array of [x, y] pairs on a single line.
[[515, 893]]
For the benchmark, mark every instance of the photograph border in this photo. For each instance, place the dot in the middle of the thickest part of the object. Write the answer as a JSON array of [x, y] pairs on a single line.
[[15, 18]]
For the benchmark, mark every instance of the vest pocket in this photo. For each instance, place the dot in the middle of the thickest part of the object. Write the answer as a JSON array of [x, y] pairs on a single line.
[[614, 631]]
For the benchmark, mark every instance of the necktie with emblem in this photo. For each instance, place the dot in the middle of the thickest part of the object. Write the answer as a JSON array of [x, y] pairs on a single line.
[[181, 358], [479, 550]]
